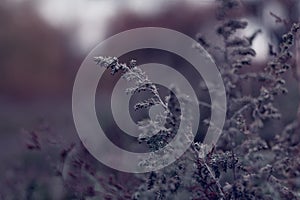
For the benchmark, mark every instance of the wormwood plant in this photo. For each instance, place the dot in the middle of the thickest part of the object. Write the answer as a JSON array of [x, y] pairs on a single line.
[[242, 165], [252, 175], [241, 160]]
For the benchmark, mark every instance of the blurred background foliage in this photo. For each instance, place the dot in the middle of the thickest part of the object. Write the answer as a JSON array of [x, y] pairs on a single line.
[[42, 44]]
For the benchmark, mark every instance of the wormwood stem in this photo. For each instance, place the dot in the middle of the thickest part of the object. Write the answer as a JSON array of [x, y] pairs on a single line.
[[215, 180]]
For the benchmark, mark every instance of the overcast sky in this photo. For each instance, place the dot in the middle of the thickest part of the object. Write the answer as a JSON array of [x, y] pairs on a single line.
[[88, 19], [92, 16]]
